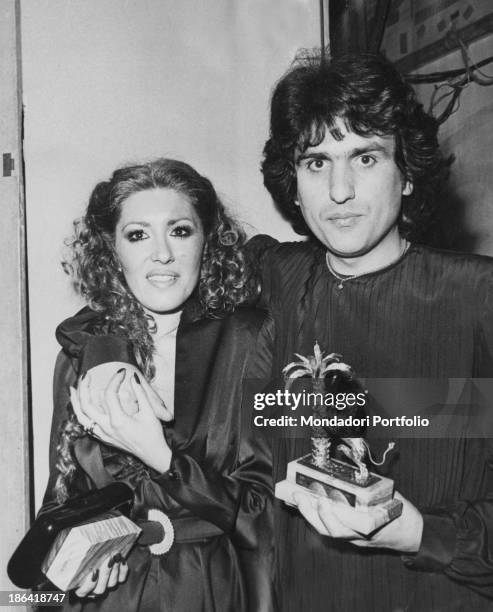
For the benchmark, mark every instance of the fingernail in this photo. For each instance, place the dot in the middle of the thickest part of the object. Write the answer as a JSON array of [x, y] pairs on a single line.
[[111, 562], [123, 562], [117, 558], [137, 379], [95, 575]]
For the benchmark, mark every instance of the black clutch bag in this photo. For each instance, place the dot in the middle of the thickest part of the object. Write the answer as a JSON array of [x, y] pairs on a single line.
[[28, 565]]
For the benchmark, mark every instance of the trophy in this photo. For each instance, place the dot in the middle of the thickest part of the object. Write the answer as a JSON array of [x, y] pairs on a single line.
[[326, 472]]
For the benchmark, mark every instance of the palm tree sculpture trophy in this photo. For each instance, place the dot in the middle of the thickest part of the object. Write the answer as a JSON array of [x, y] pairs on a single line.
[[322, 473]]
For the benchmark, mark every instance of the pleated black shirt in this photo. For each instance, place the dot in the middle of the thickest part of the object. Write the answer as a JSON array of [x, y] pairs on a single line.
[[429, 315]]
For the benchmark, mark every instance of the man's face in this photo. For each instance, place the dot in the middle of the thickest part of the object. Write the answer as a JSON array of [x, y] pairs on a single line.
[[350, 191]]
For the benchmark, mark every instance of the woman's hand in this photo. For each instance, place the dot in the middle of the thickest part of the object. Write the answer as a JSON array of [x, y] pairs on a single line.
[[338, 520], [100, 376], [112, 571], [139, 433]]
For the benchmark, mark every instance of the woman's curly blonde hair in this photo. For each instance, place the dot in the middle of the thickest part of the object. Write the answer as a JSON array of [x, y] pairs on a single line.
[[97, 276]]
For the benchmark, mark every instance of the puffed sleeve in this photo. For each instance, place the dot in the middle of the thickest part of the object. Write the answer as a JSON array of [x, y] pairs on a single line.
[[64, 376], [76, 335], [81, 350], [458, 539]]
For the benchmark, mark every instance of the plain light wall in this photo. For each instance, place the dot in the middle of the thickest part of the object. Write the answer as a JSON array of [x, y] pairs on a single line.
[[108, 82]]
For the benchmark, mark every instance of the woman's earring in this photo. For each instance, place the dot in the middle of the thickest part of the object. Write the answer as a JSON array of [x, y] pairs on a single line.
[[408, 188], [296, 202]]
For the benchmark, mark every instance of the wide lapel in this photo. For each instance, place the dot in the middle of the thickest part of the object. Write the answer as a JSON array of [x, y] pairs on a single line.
[[197, 343]]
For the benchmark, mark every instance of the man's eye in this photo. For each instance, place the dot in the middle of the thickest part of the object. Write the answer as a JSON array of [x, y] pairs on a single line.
[[316, 164], [136, 235], [182, 231], [367, 160]]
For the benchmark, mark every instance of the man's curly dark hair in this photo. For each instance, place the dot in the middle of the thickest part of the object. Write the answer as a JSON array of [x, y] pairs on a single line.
[[369, 95]]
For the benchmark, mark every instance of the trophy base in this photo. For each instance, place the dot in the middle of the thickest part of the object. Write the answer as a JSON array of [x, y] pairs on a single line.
[[338, 481]]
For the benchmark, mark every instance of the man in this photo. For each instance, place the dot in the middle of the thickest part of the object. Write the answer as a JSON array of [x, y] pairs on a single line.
[[353, 161]]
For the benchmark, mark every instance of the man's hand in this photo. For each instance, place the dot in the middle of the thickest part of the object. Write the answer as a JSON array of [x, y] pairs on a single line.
[[339, 520]]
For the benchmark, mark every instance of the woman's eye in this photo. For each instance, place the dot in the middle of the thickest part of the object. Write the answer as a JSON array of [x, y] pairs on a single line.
[[136, 235], [367, 160], [182, 231]]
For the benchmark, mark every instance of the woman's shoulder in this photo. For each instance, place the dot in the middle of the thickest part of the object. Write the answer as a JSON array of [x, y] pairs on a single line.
[[239, 332], [245, 319], [249, 337], [72, 330], [232, 342], [79, 338], [249, 318]]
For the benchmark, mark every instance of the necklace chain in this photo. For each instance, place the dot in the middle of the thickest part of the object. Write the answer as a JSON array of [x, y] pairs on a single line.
[[344, 279]]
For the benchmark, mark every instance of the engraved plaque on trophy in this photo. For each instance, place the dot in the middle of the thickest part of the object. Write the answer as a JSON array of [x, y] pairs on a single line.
[[322, 473]]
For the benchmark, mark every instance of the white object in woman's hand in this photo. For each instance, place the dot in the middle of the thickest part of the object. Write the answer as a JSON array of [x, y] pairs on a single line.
[[100, 376], [112, 571], [140, 433]]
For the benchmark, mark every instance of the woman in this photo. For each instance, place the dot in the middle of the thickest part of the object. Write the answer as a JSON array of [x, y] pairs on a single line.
[[161, 267]]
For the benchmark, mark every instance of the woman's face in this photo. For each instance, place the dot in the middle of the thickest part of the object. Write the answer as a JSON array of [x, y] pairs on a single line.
[[159, 242]]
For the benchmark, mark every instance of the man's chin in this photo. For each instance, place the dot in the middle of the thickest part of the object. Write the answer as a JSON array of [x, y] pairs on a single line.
[[347, 251]]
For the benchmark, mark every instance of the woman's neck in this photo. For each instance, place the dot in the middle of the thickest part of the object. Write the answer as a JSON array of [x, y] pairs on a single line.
[[164, 356], [166, 324]]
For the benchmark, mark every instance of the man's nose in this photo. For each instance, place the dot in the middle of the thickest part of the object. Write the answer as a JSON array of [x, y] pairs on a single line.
[[341, 184], [162, 250]]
